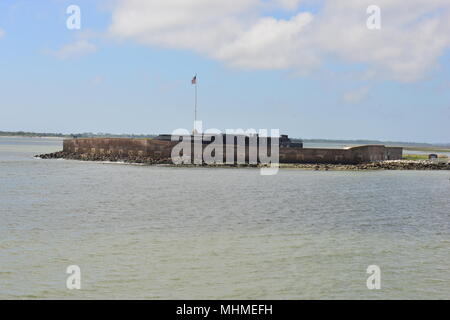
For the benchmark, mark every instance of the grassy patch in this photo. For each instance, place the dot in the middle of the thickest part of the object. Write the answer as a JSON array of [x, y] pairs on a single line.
[[420, 156], [415, 157], [427, 149]]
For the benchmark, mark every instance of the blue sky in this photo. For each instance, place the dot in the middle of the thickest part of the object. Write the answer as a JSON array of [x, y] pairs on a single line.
[[132, 75]]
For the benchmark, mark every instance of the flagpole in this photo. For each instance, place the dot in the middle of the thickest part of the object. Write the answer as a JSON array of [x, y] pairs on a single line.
[[195, 106], [195, 112]]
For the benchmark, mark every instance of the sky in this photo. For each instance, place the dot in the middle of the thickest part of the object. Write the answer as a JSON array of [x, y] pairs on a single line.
[[312, 69]]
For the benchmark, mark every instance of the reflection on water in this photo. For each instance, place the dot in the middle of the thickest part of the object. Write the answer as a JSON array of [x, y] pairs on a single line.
[[156, 232]]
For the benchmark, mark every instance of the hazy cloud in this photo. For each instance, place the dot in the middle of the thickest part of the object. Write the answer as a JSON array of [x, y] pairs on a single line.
[[2, 32], [413, 35], [97, 80], [75, 49], [357, 95]]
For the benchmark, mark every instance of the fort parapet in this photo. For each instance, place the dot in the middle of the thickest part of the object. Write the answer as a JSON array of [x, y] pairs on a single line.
[[288, 153], [122, 147]]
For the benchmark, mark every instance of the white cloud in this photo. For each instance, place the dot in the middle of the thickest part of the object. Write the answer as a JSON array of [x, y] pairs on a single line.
[[241, 33], [200, 25], [75, 49], [2, 32], [413, 35], [268, 45], [357, 95]]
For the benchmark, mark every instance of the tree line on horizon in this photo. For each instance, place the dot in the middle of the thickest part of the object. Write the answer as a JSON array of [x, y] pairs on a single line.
[[124, 135]]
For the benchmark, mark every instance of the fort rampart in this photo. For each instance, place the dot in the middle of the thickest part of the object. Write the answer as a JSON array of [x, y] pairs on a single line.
[[120, 146], [157, 149]]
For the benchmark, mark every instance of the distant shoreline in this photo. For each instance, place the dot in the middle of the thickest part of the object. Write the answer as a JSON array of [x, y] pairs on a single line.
[[413, 146], [38, 137], [24, 134]]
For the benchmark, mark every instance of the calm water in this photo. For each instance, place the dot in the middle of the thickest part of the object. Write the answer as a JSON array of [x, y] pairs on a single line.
[[155, 232]]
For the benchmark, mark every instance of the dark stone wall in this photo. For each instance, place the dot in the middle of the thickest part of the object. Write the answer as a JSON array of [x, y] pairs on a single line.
[[158, 149], [315, 155], [120, 146], [368, 153], [394, 153]]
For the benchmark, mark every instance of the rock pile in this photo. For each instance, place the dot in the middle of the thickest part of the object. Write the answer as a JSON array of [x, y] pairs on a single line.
[[105, 158], [379, 165]]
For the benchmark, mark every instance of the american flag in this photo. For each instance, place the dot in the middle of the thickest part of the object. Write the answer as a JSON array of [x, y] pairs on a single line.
[[194, 80]]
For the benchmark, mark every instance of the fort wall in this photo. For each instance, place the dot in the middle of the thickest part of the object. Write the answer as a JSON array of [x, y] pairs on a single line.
[[120, 147], [158, 149]]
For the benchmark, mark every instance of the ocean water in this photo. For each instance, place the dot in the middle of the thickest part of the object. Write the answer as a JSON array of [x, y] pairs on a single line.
[[140, 232]]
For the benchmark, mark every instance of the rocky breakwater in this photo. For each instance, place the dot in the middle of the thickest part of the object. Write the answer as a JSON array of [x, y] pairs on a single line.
[[379, 165], [104, 158]]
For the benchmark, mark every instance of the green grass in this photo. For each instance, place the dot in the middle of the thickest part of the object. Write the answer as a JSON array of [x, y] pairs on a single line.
[[427, 149], [419, 156], [415, 157]]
